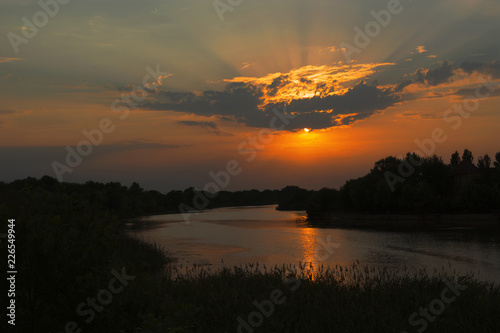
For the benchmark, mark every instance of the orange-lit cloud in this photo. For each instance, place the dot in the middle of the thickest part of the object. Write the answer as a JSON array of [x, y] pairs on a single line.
[[310, 81], [317, 96], [421, 49], [5, 59]]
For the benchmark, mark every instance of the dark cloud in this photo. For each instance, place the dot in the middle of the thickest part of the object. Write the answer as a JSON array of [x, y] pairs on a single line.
[[360, 98], [137, 144], [236, 99], [241, 101], [403, 84], [7, 111], [278, 83], [210, 125], [360, 102], [492, 68], [444, 73], [472, 92], [436, 76], [245, 102], [29, 153], [37, 161], [202, 124]]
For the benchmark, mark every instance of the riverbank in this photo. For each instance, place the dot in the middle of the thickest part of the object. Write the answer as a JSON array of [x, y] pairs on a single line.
[[406, 221]]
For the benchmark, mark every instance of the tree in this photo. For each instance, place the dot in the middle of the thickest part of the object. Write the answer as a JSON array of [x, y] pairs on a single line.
[[389, 163], [497, 160], [467, 156], [135, 189], [484, 162], [455, 159]]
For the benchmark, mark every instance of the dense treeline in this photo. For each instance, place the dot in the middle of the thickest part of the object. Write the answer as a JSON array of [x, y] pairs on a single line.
[[126, 202], [413, 185]]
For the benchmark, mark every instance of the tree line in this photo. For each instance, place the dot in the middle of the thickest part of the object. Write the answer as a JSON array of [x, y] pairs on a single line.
[[434, 186]]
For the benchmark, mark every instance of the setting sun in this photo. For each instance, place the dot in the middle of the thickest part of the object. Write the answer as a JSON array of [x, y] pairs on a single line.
[[307, 130]]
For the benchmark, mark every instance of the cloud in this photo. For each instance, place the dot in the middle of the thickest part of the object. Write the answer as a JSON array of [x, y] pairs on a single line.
[[4, 111], [36, 161], [448, 72], [58, 153], [243, 102], [5, 59], [492, 68], [421, 49], [137, 144], [210, 125], [436, 76], [318, 96], [472, 92], [237, 99], [358, 103], [247, 65], [202, 124]]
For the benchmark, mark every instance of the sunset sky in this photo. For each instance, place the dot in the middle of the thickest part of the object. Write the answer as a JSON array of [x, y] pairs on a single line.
[[182, 87]]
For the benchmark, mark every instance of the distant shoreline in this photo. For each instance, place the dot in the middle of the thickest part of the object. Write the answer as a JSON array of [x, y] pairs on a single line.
[[369, 221], [406, 221]]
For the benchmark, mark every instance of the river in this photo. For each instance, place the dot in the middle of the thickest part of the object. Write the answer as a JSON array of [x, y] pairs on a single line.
[[242, 235]]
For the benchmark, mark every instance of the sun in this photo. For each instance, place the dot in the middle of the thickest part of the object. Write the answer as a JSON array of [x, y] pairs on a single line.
[[307, 130]]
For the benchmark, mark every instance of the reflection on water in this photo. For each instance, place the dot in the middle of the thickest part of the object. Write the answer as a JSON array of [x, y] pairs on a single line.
[[235, 236]]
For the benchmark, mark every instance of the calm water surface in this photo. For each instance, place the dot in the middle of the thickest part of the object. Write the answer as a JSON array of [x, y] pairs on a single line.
[[241, 235]]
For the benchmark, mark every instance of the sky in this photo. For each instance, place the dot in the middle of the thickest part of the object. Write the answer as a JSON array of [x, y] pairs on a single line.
[[253, 93]]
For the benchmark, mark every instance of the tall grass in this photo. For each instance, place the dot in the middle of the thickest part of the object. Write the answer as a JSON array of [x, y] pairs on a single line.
[[338, 299]]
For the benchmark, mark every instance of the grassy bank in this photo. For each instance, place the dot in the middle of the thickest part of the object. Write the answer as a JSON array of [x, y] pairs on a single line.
[[352, 299]]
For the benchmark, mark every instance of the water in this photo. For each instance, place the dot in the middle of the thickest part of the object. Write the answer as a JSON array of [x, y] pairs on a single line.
[[242, 235]]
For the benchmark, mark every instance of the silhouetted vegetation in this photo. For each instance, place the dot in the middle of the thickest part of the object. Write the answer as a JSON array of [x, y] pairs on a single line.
[[414, 185], [68, 240], [318, 299]]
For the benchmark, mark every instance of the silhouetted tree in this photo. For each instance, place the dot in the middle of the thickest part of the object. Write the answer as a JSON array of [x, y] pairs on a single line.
[[135, 189], [467, 156], [388, 164], [455, 159], [497, 160], [484, 162]]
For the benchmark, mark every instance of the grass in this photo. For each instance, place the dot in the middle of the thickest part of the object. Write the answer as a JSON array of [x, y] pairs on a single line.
[[340, 299]]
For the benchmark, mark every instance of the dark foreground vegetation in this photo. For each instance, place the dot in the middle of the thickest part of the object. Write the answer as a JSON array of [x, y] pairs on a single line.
[[71, 246]]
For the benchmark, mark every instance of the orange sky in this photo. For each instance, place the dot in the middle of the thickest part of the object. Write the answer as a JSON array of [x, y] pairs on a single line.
[[213, 84]]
